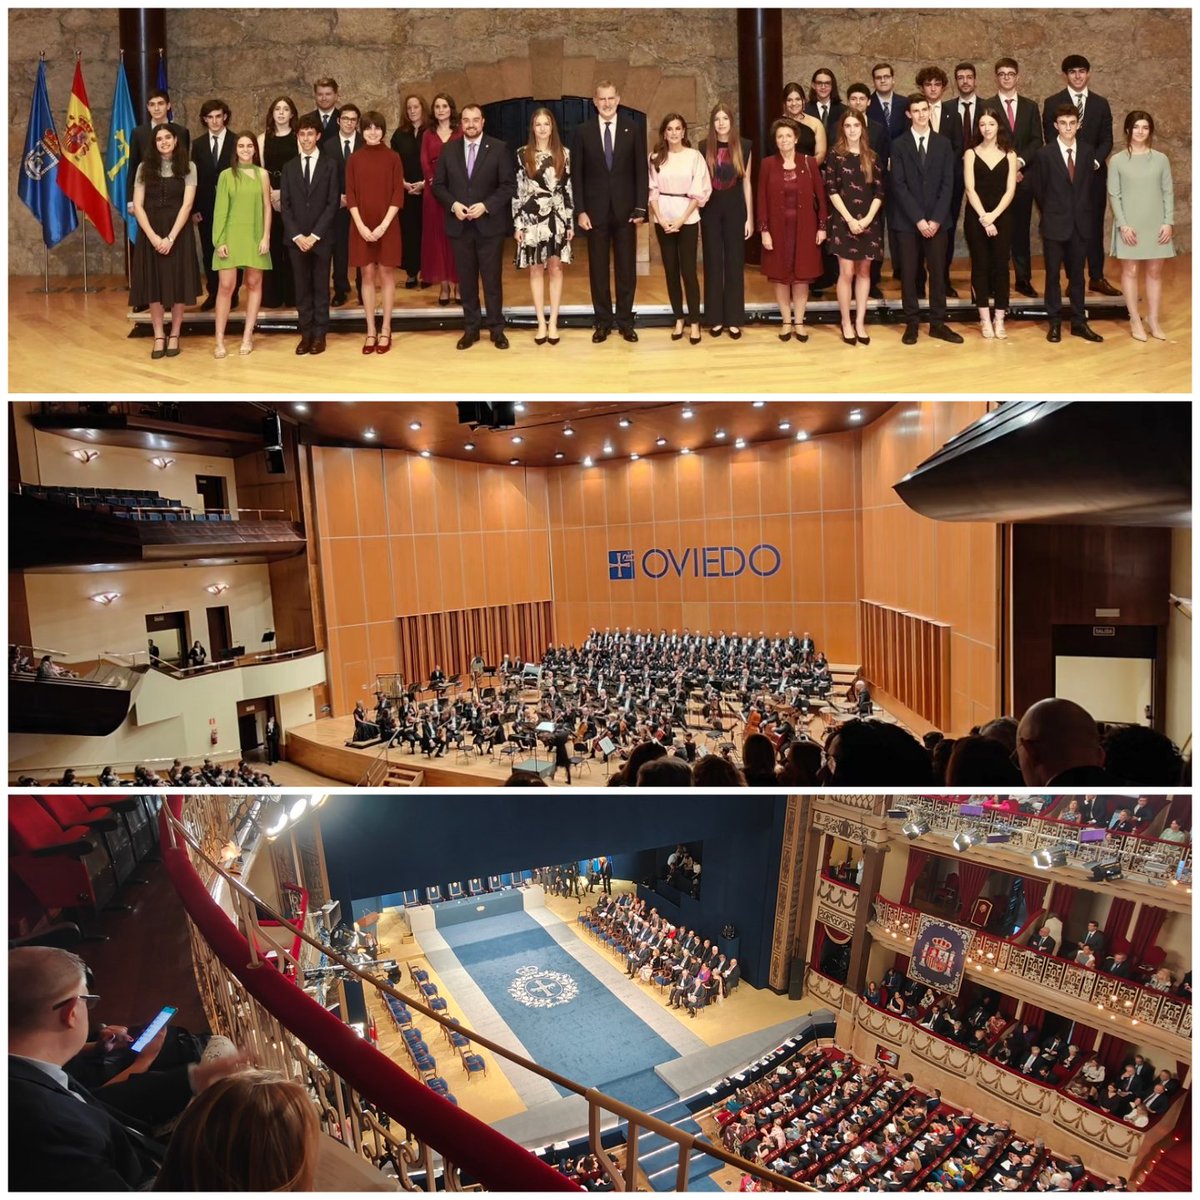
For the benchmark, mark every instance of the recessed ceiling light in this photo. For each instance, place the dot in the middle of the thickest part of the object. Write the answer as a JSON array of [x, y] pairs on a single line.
[[688, 414], [608, 447], [855, 414], [624, 422], [740, 444], [414, 425], [757, 403], [685, 450], [517, 440], [785, 425], [801, 436], [369, 434], [469, 446], [512, 462], [425, 454], [634, 457], [559, 454], [662, 441], [300, 408], [719, 435], [568, 431], [587, 461], [518, 407]]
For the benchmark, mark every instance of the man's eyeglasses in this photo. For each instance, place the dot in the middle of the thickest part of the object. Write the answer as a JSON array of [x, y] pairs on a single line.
[[90, 1000]]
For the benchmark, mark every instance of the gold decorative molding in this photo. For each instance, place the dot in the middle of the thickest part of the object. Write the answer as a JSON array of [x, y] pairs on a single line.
[[847, 829], [836, 905], [1115, 1137], [787, 936], [1017, 1091], [824, 988], [940, 1053]]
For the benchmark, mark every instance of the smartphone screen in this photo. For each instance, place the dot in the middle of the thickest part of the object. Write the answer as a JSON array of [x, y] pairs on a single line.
[[148, 1034]]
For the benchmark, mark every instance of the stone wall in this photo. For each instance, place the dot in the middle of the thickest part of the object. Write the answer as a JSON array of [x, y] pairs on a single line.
[[661, 59]]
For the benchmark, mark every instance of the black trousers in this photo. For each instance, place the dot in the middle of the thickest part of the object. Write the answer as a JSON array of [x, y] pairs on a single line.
[[310, 273], [1073, 253], [341, 255], [479, 257], [911, 246], [619, 237], [678, 252], [722, 230], [1094, 242], [1022, 213], [989, 259], [411, 221]]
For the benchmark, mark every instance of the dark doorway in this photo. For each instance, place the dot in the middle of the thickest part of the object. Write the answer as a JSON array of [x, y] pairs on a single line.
[[509, 119], [248, 732], [219, 636], [170, 633], [213, 491]]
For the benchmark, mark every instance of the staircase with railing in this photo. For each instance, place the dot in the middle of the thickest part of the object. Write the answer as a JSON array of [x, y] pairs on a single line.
[[367, 1101]]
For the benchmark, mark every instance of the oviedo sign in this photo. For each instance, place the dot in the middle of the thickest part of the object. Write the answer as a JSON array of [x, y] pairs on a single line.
[[698, 562]]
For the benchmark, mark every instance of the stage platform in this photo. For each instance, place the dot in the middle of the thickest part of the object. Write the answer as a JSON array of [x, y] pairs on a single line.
[[426, 917]]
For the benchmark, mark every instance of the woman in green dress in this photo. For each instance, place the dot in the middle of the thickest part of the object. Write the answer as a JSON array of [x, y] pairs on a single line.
[[1143, 204], [241, 237]]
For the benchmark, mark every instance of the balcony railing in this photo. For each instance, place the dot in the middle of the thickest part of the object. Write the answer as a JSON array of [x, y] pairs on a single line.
[[368, 1102], [988, 954], [1137, 855]]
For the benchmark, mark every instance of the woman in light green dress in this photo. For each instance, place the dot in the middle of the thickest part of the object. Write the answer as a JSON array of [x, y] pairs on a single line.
[[1143, 205], [241, 237]]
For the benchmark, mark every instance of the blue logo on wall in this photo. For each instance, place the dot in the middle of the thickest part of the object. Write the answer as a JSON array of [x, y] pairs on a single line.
[[620, 564], [700, 562]]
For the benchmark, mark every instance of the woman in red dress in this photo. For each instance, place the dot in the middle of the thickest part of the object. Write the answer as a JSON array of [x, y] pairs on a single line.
[[437, 259], [374, 195], [791, 218]]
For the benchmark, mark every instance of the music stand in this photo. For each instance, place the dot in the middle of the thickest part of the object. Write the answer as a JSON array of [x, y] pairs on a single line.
[[609, 748], [541, 727], [268, 639]]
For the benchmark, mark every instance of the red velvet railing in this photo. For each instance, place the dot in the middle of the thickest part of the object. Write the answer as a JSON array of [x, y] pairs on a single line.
[[475, 1148]]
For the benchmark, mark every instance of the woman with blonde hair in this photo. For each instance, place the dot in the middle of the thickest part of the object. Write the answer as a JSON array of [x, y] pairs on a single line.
[[544, 217], [250, 1132], [726, 223]]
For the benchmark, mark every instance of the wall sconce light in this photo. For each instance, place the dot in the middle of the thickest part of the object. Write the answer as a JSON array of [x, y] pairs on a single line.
[[85, 456], [162, 463], [217, 588], [106, 598]]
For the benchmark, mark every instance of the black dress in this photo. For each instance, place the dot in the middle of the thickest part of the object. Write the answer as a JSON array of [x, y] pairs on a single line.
[[171, 278], [844, 177], [279, 288], [989, 255], [408, 145]]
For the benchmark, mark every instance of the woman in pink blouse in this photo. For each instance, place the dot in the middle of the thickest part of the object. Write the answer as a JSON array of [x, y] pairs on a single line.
[[679, 187]]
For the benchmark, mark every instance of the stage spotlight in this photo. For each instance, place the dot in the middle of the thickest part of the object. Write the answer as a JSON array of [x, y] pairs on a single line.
[[274, 818], [296, 807], [897, 814], [1105, 870], [1044, 860], [964, 841], [914, 829]]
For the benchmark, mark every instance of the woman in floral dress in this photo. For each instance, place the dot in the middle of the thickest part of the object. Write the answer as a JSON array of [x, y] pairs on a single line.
[[544, 216]]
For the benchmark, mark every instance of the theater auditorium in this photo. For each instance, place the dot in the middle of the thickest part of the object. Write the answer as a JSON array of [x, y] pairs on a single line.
[[898, 992], [454, 595]]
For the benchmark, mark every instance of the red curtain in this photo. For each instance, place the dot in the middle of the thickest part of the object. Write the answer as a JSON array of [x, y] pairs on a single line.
[[1181, 811], [1061, 901], [972, 879], [1116, 928], [916, 864], [1035, 893], [1150, 921], [1111, 1052], [1033, 1016]]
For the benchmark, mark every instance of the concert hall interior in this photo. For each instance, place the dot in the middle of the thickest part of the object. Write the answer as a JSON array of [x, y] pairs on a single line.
[[505, 587], [835, 992]]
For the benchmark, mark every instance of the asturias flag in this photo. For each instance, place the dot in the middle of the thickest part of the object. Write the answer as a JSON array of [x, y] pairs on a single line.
[[81, 172], [116, 158], [38, 185]]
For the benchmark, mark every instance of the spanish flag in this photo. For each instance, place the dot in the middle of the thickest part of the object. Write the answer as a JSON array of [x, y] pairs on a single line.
[[81, 171]]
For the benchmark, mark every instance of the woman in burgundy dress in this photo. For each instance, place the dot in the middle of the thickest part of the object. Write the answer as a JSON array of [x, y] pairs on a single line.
[[437, 259], [374, 196], [791, 219], [854, 181]]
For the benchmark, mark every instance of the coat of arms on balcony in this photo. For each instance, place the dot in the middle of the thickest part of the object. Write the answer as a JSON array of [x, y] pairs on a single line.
[[939, 954]]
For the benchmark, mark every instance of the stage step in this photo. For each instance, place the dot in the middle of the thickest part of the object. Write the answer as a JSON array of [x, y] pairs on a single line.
[[400, 775]]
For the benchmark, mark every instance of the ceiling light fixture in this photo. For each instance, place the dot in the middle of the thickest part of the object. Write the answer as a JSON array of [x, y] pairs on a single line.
[[624, 422], [414, 425], [469, 446], [217, 588], [688, 414], [634, 457], [85, 456], [568, 431], [517, 440], [757, 403], [106, 598], [518, 407], [662, 441], [559, 454], [856, 414], [719, 435], [369, 434], [785, 425], [300, 408], [740, 444], [685, 450], [801, 436], [587, 460], [608, 448], [426, 454], [514, 462]]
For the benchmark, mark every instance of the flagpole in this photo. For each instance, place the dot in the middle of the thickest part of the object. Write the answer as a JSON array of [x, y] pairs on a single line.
[[44, 290]]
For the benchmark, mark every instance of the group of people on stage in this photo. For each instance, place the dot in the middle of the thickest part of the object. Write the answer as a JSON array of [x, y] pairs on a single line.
[[277, 211]]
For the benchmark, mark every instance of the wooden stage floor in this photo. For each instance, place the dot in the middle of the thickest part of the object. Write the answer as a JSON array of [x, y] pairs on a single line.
[[103, 359]]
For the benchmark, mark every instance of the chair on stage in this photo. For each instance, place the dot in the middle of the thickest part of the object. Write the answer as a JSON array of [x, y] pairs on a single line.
[[418, 974], [433, 893], [473, 1064], [456, 891], [475, 887], [466, 750], [439, 1085], [496, 883], [411, 899], [458, 1041], [438, 1004], [580, 759], [428, 990]]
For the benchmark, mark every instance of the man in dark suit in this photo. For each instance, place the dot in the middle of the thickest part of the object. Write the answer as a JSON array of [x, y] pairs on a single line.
[[943, 119], [1095, 128], [606, 875], [610, 176], [827, 107], [325, 92], [1060, 178], [1158, 1101], [211, 154], [891, 111], [61, 1137], [340, 148], [309, 187], [921, 180], [1044, 941], [475, 184], [1118, 965], [1057, 742], [1021, 113], [1093, 939], [967, 105]]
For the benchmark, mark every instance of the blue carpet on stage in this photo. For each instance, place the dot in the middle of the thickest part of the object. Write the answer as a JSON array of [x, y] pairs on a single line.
[[564, 1016]]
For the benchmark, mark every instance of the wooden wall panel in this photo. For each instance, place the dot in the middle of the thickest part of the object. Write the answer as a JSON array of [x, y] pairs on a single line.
[[909, 657]]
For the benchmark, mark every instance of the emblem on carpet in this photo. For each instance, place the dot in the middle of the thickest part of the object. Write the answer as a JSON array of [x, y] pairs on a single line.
[[536, 988]]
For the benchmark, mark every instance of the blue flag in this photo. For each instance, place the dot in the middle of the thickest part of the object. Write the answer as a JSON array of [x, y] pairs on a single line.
[[161, 83], [38, 185], [116, 157]]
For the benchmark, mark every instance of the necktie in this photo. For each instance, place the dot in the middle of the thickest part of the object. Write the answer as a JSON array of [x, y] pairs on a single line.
[[608, 145], [1071, 165], [324, 122], [1079, 106], [887, 112], [307, 169], [921, 150], [470, 158], [824, 113], [1012, 116], [214, 149], [346, 148], [968, 125]]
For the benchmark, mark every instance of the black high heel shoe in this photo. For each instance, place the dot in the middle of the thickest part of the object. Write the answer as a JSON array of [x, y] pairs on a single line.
[[677, 334], [863, 340], [800, 337], [850, 341], [786, 336]]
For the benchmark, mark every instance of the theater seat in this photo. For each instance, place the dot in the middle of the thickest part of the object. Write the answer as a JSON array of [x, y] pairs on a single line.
[[61, 868], [69, 810]]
